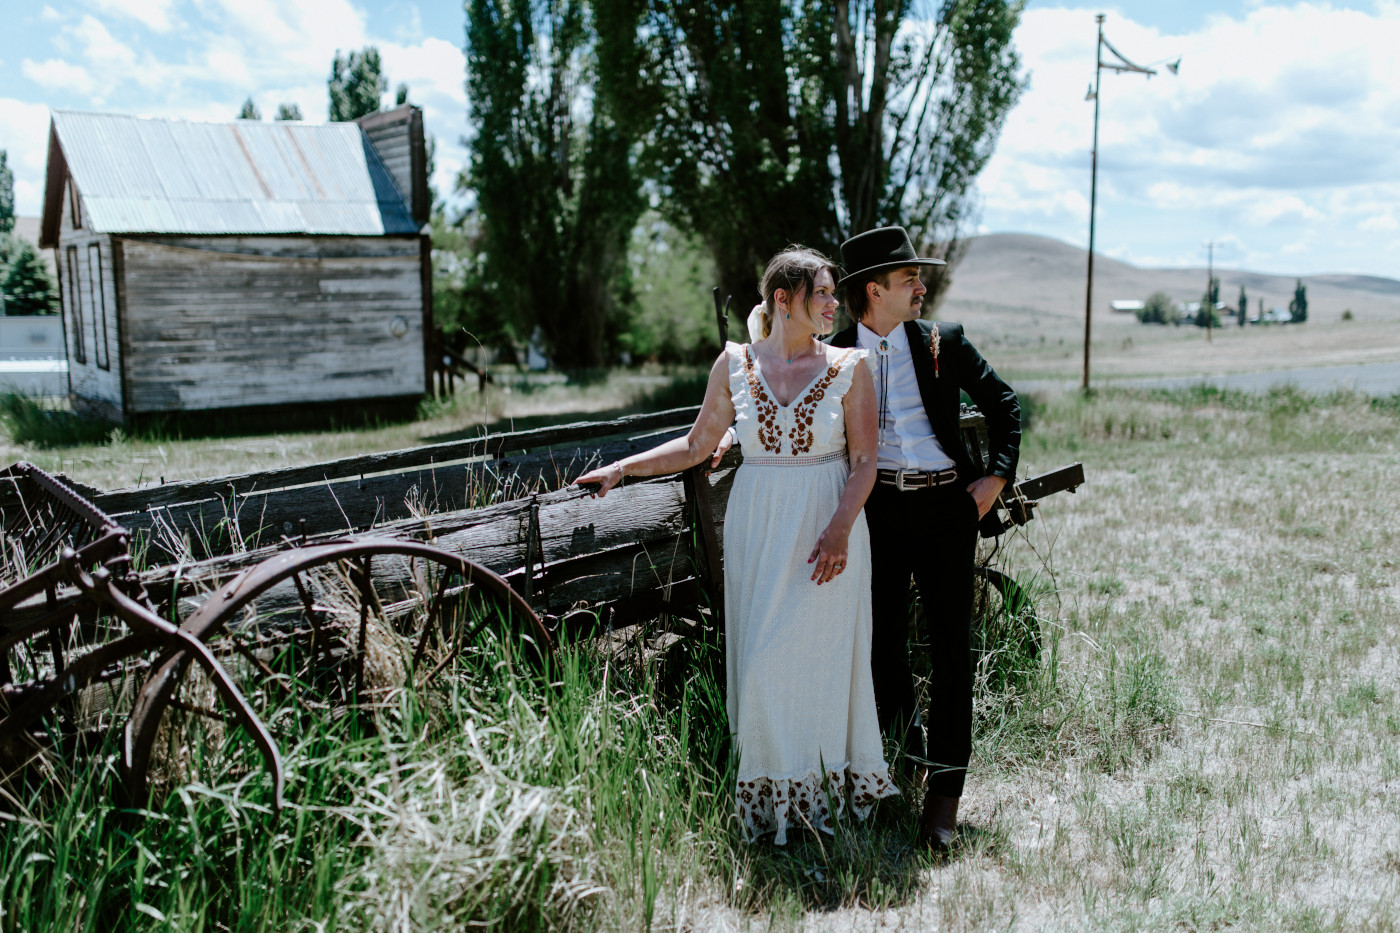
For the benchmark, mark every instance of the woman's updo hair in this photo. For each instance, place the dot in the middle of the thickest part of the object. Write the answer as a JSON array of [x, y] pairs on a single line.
[[794, 270]]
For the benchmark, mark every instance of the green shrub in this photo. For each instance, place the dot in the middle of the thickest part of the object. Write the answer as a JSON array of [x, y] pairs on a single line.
[[1159, 309], [29, 422]]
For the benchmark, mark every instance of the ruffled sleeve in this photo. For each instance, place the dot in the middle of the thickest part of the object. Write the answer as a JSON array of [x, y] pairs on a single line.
[[828, 419], [745, 425]]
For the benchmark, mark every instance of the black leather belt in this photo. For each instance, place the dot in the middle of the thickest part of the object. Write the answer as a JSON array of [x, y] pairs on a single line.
[[914, 479]]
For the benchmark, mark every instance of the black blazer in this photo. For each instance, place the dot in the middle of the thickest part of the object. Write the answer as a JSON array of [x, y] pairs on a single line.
[[960, 369]]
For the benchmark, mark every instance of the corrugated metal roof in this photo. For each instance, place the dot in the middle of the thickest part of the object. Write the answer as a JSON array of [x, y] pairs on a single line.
[[142, 175]]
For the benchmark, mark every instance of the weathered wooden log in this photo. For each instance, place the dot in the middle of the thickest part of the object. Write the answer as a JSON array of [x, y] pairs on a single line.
[[230, 522]]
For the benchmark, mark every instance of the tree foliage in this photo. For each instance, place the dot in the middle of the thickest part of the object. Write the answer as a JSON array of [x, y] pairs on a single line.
[[356, 85], [782, 120], [24, 279], [1243, 307], [1298, 307], [553, 89], [1158, 309], [249, 110], [289, 112], [1207, 316], [7, 194]]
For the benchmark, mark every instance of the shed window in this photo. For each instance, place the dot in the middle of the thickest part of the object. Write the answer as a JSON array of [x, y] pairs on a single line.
[[74, 210], [75, 305], [99, 307]]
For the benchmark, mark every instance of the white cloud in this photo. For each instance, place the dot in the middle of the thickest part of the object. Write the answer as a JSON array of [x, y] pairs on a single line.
[[1284, 119], [58, 75], [153, 14], [1380, 223], [24, 135], [100, 48]]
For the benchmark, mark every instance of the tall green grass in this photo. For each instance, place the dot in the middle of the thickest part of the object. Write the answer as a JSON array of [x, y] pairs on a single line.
[[501, 798], [29, 422]]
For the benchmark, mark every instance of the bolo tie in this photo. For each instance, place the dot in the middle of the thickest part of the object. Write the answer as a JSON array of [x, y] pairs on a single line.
[[883, 351]]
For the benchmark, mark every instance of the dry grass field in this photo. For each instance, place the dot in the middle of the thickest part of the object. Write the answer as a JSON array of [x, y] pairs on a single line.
[[1232, 574], [1022, 300]]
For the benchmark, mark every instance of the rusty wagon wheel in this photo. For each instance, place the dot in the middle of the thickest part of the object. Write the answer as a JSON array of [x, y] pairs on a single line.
[[314, 633]]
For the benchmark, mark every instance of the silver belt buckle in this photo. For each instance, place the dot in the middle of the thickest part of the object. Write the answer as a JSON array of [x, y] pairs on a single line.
[[899, 480]]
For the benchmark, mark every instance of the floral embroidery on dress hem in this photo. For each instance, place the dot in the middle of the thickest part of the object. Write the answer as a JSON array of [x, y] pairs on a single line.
[[767, 805]]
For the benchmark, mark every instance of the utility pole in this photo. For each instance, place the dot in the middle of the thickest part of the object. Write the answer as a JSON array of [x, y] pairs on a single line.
[[1093, 202], [1121, 65]]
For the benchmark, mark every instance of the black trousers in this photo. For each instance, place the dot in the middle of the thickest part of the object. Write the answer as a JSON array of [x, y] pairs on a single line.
[[931, 535]]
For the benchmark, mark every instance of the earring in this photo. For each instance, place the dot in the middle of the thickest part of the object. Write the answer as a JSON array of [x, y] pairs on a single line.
[[789, 315]]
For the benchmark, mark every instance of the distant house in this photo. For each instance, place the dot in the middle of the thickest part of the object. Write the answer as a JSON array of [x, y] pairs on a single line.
[[1127, 306], [272, 267]]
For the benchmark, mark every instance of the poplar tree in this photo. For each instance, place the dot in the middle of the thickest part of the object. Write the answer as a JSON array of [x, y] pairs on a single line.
[[356, 85], [553, 172], [1244, 307], [249, 111], [1298, 307], [7, 194], [808, 120]]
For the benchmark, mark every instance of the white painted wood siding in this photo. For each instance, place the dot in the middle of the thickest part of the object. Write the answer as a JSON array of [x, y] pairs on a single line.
[[215, 322], [88, 378]]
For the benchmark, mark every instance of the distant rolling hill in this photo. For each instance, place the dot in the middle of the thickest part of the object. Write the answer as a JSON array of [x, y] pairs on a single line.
[[1018, 271]]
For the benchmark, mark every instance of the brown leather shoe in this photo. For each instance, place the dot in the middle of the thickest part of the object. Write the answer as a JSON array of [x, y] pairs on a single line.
[[938, 825]]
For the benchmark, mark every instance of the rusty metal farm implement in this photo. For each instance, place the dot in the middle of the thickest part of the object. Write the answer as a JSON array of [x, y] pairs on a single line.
[[271, 596], [84, 641]]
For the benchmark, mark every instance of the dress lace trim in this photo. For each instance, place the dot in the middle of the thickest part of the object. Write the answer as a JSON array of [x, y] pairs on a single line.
[[760, 460], [772, 804]]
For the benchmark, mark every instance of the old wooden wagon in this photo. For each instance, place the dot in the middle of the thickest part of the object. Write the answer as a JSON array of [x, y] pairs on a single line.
[[272, 269]]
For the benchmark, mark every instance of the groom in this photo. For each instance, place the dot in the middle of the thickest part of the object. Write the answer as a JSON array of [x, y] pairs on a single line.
[[924, 510]]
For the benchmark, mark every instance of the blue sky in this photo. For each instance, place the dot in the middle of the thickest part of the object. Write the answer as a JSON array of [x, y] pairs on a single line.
[[1280, 138]]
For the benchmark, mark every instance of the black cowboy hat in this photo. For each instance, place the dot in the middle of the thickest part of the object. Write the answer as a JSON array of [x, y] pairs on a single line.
[[879, 250]]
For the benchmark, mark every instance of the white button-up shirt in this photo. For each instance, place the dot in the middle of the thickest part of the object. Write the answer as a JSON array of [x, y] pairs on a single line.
[[906, 437]]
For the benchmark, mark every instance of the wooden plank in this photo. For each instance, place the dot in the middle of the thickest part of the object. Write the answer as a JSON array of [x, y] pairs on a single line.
[[429, 456], [359, 504], [278, 247]]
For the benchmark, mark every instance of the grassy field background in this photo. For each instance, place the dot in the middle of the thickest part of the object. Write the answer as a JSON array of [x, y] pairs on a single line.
[[1209, 739]]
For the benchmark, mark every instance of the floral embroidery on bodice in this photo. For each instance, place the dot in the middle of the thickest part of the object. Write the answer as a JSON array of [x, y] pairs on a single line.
[[812, 425]]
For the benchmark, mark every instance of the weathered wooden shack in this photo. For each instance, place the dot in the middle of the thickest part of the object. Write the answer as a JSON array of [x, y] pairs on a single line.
[[272, 269]]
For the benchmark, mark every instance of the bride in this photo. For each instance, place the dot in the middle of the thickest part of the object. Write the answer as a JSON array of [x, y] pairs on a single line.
[[797, 555]]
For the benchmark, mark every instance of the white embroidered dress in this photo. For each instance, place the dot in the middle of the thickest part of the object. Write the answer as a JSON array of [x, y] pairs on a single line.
[[800, 698]]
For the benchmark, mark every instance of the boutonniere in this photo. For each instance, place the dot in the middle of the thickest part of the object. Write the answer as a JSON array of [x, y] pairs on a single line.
[[933, 348]]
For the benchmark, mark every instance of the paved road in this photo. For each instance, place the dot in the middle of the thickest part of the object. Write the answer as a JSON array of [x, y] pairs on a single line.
[[1377, 379]]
